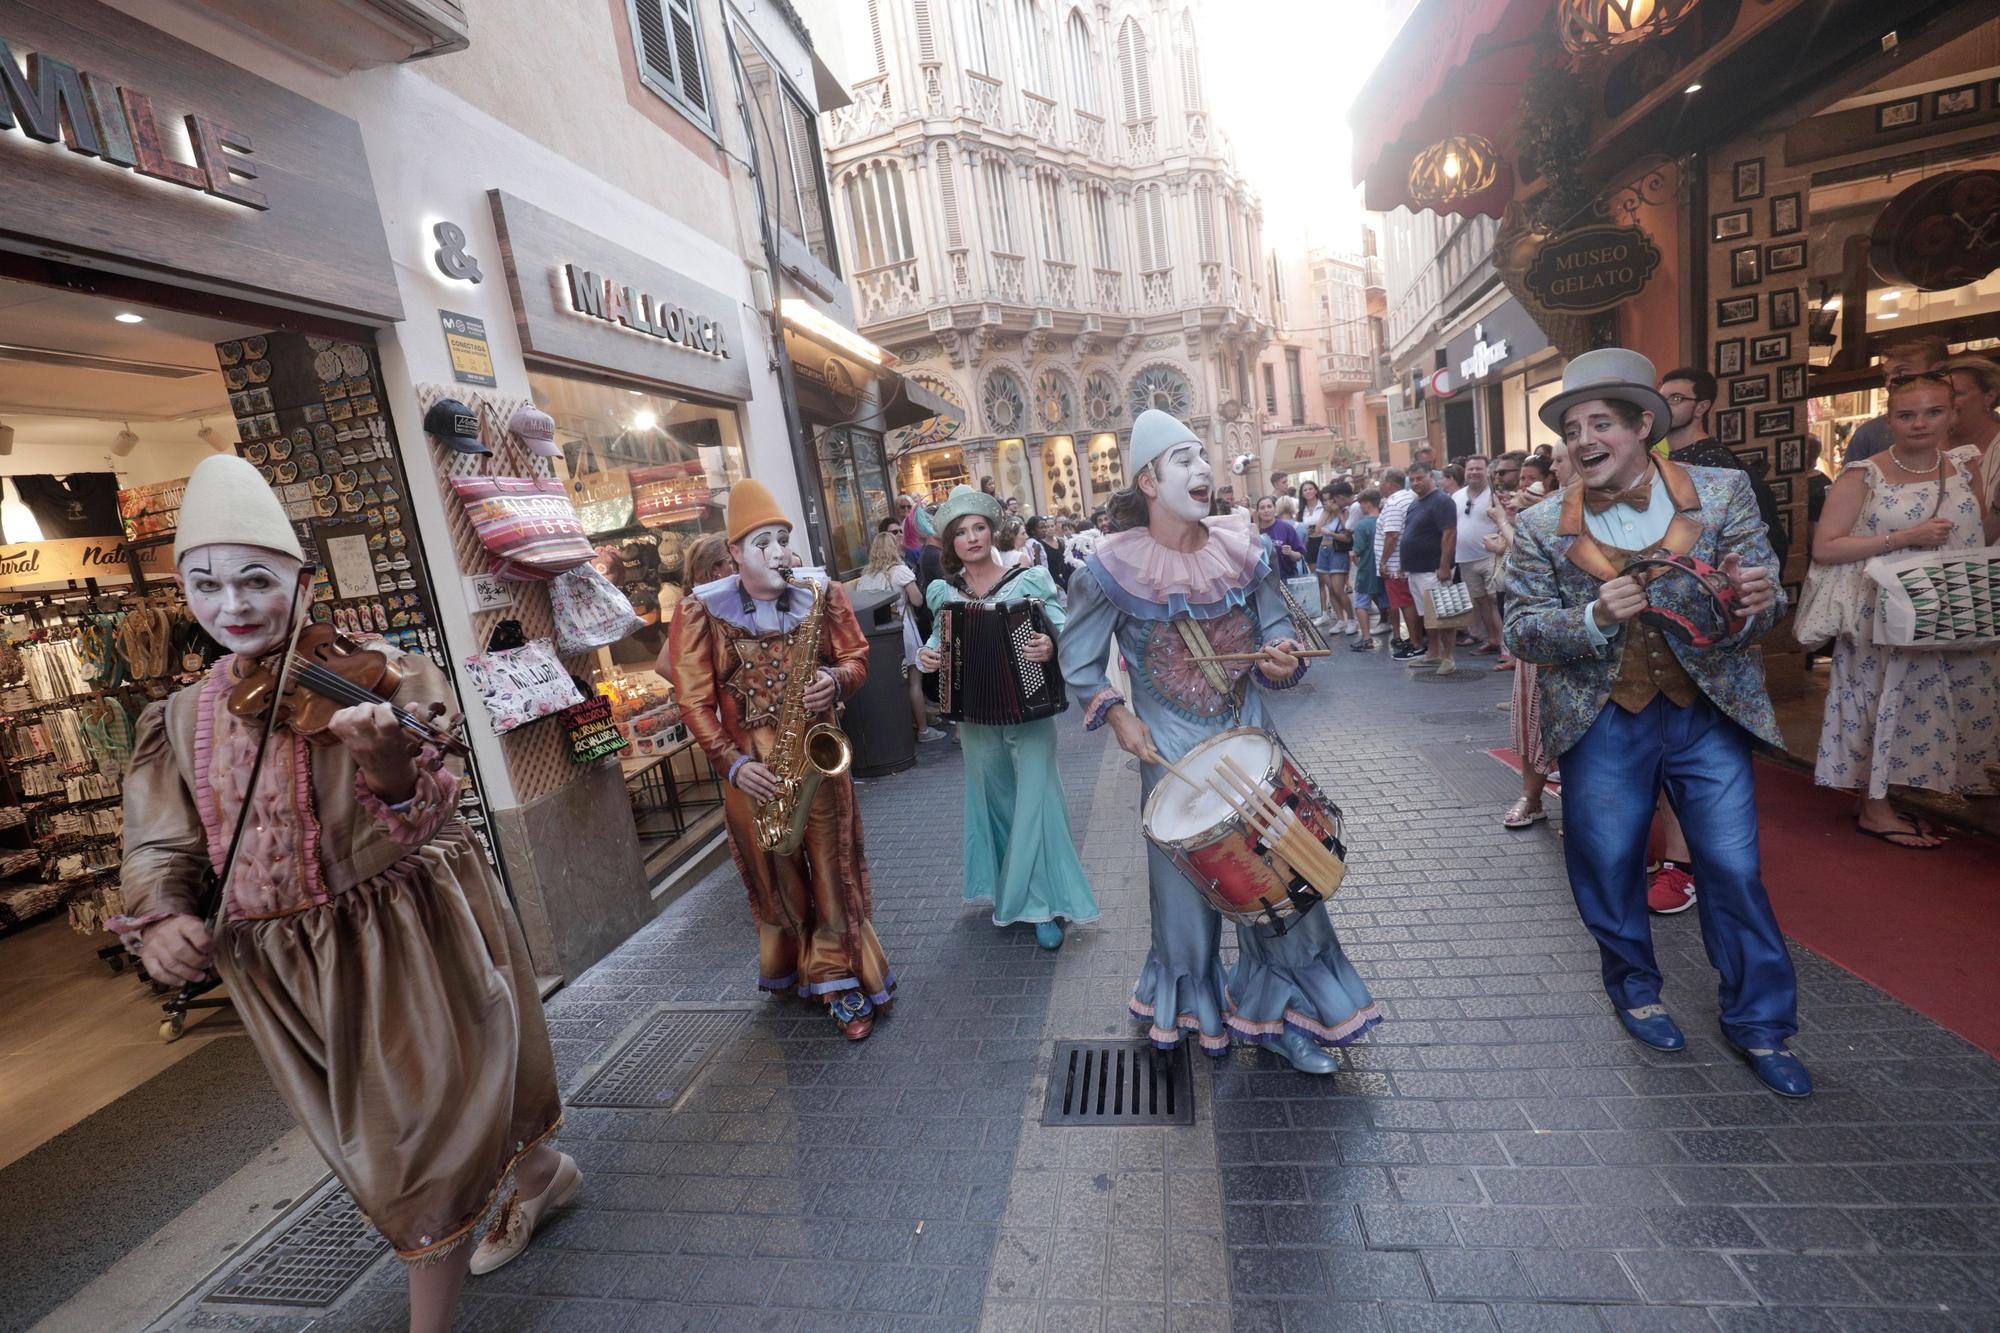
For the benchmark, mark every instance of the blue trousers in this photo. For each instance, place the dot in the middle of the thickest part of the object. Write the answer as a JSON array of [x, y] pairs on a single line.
[[1611, 783]]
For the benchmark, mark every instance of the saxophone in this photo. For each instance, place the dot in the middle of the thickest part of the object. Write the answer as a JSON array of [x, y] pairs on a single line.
[[803, 755]]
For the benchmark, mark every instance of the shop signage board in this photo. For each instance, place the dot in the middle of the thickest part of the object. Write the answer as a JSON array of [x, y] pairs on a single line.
[[1592, 269], [471, 353], [1485, 355], [584, 301], [54, 564], [1406, 422], [124, 145], [487, 592]]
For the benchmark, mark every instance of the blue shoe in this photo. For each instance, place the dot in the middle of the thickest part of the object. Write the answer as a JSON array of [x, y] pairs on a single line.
[[1049, 934], [1303, 1053], [1654, 1026], [1777, 1069]]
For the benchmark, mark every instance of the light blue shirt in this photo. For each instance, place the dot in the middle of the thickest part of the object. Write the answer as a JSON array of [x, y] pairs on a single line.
[[1871, 437], [1628, 529]]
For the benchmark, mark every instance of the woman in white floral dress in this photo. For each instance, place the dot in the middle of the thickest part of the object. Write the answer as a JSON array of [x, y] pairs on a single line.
[[1902, 716]]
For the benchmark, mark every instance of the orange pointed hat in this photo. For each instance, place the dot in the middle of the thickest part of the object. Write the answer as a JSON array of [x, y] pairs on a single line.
[[751, 507]]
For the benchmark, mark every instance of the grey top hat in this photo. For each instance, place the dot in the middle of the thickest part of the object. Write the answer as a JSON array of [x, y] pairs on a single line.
[[1610, 372]]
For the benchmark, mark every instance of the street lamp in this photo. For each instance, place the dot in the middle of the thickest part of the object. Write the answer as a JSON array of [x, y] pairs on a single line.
[[1454, 168], [1594, 27]]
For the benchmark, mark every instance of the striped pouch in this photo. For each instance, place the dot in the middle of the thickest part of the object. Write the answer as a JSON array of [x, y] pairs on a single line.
[[526, 524]]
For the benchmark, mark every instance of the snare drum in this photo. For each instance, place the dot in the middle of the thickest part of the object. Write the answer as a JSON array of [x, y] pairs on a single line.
[[1212, 842]]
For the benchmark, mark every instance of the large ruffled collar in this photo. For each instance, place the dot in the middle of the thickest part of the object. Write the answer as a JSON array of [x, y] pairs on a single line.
[[726, 600], [1154, 582]]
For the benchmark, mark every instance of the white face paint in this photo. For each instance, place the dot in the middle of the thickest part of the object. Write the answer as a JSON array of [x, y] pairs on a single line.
[[1184, 477], [760, 556], [242, 595]]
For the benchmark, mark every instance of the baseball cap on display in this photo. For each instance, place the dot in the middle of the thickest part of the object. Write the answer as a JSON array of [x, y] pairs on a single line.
[[455, 425], [536, 429]]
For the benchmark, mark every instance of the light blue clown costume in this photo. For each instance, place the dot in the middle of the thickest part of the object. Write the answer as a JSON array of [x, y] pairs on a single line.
[[1019, 853], [1128, 594]]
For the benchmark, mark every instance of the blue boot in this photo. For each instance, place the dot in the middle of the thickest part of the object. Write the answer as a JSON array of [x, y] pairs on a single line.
[[1654, 1026], [1049, 934], [1303, 1053]]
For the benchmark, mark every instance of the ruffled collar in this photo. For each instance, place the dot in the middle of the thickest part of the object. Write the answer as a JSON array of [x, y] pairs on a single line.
[[726, 600], [1154, 582]]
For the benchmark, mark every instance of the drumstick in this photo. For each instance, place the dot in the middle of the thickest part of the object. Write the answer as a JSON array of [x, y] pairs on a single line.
[[1175, 769], [1304, 848], [1258, 656]]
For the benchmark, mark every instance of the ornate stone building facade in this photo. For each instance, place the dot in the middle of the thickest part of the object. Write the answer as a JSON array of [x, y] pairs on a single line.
[[1045, 224]]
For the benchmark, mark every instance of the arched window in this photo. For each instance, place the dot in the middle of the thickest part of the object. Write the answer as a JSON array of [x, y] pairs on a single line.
[[1103, 229], [1204, 219], [947, 179], [926, 34], [1149, 216], [1135, 79], [1000, 205], [1029, 56], [1082, 68], [1190, 65], [1051, 216], [973, 51], [880, 216]]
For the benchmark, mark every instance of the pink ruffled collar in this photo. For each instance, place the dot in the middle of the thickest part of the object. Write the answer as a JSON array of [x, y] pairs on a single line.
[[1225, 563]]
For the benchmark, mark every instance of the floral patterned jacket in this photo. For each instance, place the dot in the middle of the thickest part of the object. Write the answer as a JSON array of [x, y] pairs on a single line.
[[1555, 568]]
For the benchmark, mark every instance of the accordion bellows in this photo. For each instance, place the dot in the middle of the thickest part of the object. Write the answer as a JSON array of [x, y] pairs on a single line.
[[983, 678]]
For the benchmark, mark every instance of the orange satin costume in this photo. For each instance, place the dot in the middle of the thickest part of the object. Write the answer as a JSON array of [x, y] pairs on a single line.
[[812, 908]]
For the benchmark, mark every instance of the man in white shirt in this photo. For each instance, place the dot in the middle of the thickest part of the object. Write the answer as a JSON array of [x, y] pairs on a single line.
[[1396, 502], [1476, 564]]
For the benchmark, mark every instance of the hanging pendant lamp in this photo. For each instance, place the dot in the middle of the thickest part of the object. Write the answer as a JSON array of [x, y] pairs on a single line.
[[1454, 168], [1594, 27]]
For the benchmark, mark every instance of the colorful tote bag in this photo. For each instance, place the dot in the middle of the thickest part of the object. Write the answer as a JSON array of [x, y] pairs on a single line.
[[521, 685], [589, 610], [526, 524], [603, 495], [669, 493]]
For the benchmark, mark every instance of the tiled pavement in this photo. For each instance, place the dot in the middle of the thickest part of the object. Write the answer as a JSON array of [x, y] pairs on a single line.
[[1497, 1156]]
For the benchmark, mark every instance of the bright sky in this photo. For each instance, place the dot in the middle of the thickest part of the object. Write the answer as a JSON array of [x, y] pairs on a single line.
[[1280, 74]]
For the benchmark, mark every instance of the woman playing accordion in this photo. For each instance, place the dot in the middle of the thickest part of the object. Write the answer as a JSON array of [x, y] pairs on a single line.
[[1019, 854]]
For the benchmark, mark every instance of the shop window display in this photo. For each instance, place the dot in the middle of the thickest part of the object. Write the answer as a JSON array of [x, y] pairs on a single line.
[[650, 475]]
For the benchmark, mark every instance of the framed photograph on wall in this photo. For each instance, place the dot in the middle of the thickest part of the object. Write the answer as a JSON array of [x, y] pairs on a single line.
[[1757, 462], [1730, 226], [1791, 383], [1781, 490], [1736, 310], [1785, 308], [1750, 389], [1729, 356], [1791, 458], [1787, 214], [1785, 526], [1787, 257], [1729, 426], [1748, 176], [1772, 347], [1949, 102], [1744, 267], [1773, 421], [1899, 114]]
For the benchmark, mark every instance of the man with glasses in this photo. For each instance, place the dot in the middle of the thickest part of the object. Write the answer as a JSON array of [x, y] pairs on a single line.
[[1476, 563], [1690, 394]]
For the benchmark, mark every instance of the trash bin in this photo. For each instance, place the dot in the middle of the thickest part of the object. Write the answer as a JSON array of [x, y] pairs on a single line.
[[877, 719]]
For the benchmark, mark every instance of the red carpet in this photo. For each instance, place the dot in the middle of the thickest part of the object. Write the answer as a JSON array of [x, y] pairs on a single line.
[[1923, 926]]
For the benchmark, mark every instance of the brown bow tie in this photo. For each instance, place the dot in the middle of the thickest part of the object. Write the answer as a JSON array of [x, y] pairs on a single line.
[[1639, 496]]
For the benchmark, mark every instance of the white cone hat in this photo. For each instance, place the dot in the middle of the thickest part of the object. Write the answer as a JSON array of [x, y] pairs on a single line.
[[228, 503]]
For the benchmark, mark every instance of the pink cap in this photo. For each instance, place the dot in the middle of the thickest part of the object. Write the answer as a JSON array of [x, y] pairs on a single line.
[[536, 429]]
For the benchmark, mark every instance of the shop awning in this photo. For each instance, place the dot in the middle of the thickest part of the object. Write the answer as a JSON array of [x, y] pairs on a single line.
[[913, 403], [1301, 453], [833, 361], [1455, 67]]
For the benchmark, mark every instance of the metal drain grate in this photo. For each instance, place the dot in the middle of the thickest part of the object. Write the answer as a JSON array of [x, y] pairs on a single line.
[[1460, 717], [1470, 774], [1119, 1084], [662, 1059], [310, 1262], [1472, 675]]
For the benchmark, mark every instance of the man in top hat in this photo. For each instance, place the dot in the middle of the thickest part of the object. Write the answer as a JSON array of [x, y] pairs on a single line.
[[730, 654], [1627, 706]]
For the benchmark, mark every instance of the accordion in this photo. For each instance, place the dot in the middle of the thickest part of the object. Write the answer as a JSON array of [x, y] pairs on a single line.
[[983, 678]]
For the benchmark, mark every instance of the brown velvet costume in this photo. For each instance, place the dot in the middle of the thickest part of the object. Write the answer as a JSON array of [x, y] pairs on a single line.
[[813, 907], [368, 948]]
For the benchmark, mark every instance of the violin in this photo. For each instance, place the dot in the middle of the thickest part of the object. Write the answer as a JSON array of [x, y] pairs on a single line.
[[325, 672]]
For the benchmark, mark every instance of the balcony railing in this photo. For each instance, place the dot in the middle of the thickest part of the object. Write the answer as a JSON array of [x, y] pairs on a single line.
[[1038, 117], [869, 114], [1197, 131], [1061, 283], [958, 273], [1107, 289], [887, 291], [1010, 277], [1142, 141], [1156, 290], [1211, 283], [982, 99], [930, 75], [1089, 133]]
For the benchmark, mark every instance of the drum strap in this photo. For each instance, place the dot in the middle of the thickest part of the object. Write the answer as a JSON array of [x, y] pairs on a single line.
[[1198, 645]]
